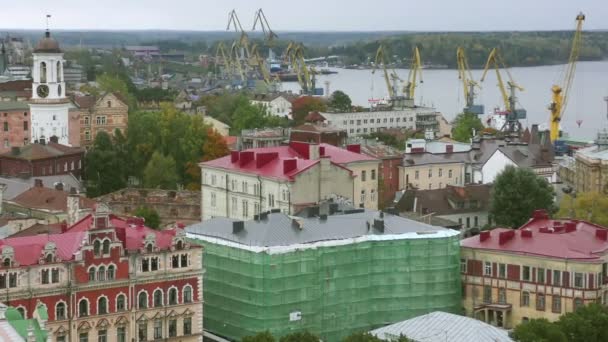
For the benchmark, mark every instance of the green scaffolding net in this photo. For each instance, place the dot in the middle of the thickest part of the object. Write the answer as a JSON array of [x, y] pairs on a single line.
[[331, 291]]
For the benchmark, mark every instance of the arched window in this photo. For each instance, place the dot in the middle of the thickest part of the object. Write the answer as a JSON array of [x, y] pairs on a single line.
[[111, 272], [101, 273], [60, 311], [173, 296], [149, 248], [102, 306], [21, 310], [59, 72], [6, 262], [142, 300], [106, 246], [83, 308], [92, 274], [158, 298], [180, 245], [187, 294], [121, 303], [42, 72], [96, 247], [49, 258]]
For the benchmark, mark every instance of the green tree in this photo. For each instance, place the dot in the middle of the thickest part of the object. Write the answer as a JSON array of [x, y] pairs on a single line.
[[590, 206], [150, 216], [517, 192], [303, 105], [367, 337], [587, 324], [538, 330], [464, 125], [161, 172], [340, 102], [265, 336], [104, 169], [300, 337], [116, 84]]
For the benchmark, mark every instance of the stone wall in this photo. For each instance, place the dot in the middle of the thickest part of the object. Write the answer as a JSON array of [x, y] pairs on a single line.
[[183, 206]]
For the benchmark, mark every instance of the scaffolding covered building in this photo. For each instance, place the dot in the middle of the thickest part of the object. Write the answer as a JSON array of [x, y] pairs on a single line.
[[330, 274]]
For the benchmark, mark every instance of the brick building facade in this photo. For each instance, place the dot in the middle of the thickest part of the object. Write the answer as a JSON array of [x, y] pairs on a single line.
[[318, 134], [107, 112], [35, 160], [14, 114], [107, 279]]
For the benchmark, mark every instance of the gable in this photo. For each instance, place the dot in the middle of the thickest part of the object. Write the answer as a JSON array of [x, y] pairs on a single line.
[[114, 100]]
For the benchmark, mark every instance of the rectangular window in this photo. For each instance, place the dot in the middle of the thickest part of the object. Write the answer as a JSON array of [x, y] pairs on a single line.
[[373, 175], [44, 277], [579, 280], [416, 174], [540, 275], [430, 173], [25, 125], [154, 264], [213, 200], [87, 135], [362, 196], [83, 337], [213, 179], [245, 209], [440, 172], [502, 295], [6, 126], [487, 294], [55, 276], [12, 280], [142, 331], [145, 265], [61, 338], [101, 120], [235, 207], [172, 328], [175, 261], [502, 271], [158, 329], [487, 269], [102, 336], [463, 265], [540, 302], [476, 220], [363, 176], [358, 122], [556, 304], [525, 273], [244, 187], [184, 260], [121, 334], [525, 299], [449, 173], [187, 326], [468, 222]]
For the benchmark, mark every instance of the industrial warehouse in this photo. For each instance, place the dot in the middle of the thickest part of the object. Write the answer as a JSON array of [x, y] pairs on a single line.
[[332, 274]]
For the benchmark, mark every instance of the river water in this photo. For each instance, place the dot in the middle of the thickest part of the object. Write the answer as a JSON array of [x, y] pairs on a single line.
[[443, 90]]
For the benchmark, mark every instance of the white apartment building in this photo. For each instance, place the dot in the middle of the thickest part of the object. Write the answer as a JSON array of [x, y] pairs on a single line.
[[362, 123], [286, 178], [275, 104]]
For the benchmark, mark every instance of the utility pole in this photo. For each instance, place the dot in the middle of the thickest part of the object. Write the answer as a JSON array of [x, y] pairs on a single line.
[[606, 99]]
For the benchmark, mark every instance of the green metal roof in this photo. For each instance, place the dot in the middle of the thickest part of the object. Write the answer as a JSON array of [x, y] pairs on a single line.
[[10, 105], [14, 318]]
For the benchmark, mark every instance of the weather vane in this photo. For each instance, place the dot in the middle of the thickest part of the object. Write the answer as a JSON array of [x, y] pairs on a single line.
[[48, 16]]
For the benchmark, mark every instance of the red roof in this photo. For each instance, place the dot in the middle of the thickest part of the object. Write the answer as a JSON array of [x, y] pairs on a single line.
[[28, 249], [562, 239], [40, 197], [132, 235], [271, 161]]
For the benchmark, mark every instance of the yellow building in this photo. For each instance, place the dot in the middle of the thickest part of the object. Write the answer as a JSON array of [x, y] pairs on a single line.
[[544, 269]]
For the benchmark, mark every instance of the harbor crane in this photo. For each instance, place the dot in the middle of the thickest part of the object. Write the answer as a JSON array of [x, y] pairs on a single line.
[[240, 48], [468, 83], [269, 36], [509, 98], [222, 56], [294, 55], [415, 70], [390, 79], [561, 91]]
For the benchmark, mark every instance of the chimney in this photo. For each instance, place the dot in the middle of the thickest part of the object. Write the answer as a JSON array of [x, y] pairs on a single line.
[[540, 214], [601, 234], [289, 165], [264, 158], [483, 236], [245, 157], [449, 148], [313, 152], [321, 151], [38, 183], [505, 237], [526, 233], [54, 139], [356, 148], [59, 186], [73, 206], [570, 227], [234, 156], [534, 135], [237, 227], [15, 150]]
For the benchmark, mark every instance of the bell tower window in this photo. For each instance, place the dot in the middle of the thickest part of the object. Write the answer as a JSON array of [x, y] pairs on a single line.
[[42, 72], [59, 73]]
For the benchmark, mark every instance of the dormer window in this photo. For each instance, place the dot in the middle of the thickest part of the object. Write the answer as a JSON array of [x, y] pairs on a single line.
[[180, 245], [48, 255], [8, 256], [6, 262], [49, 258], [149, 247]]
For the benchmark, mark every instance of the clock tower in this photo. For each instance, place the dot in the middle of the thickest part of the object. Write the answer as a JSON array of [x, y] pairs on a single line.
[[48, 106]]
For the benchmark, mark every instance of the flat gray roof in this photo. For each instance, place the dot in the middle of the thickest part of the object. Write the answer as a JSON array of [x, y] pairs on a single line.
[[279, 229]]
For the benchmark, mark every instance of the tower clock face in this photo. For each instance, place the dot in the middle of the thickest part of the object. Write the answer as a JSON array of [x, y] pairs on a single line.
[[43, 91]]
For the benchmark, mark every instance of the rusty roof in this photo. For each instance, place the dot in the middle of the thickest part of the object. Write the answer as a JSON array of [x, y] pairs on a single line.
[[39, 151], [49, 199]]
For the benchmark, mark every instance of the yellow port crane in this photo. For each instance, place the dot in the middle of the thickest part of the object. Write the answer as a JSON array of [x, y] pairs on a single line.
[[512, 124], [468, 83], [240, 48], [294, 55], [222, 56], [415, 70], [390, 79], [561, 91], [235, 61], [260, 17], [258, 61]]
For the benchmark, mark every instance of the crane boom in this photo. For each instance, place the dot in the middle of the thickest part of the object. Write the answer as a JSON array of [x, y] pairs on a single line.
[[381, 60], [468, 84], [560, 92], [415, 70], [260, 17]]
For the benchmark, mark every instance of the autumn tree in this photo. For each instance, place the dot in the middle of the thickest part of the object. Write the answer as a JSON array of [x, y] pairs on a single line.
[[517, 192], [465, 126], [303, 105], [214, 147], [150, 216], [590, 206]]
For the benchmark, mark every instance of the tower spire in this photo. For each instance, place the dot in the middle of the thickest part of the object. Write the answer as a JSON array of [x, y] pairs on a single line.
[[48, 31]]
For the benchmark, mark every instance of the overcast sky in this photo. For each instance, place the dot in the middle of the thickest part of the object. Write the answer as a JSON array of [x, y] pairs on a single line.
[[306, 15]]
